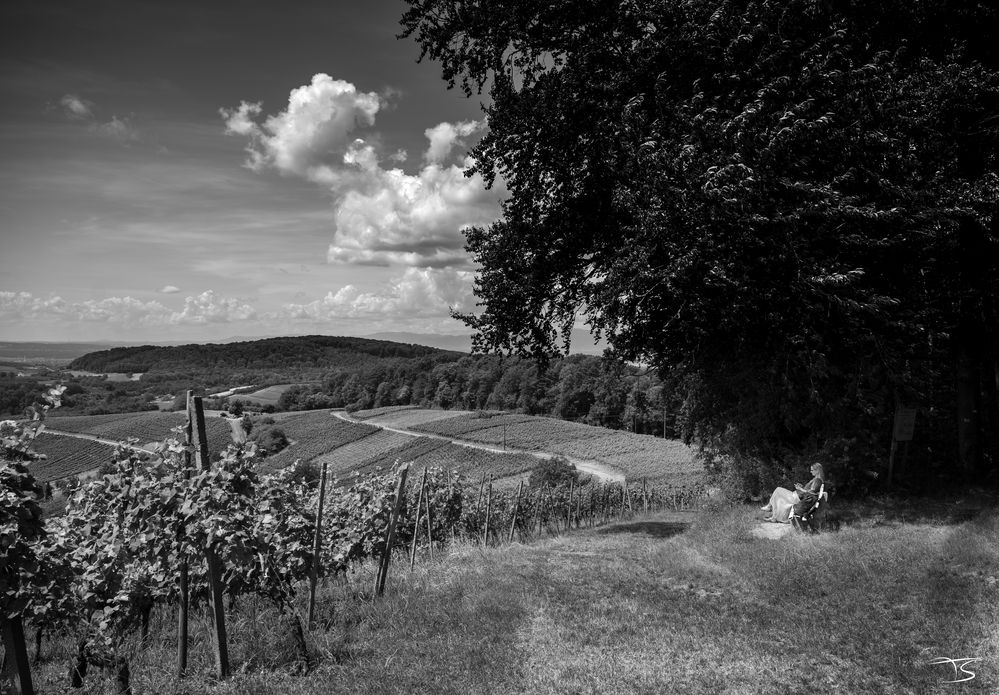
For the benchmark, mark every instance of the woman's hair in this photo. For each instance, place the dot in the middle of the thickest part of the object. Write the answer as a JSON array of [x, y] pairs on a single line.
[[819, 470]]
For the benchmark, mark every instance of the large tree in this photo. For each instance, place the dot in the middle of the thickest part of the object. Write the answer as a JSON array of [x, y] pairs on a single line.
[[786, 206]]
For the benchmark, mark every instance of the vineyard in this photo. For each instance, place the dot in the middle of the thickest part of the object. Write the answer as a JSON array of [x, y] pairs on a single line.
[[67, 456], [348, 447], [406, 416], [145, 427], [347, 458], [265, 396], [314, 434], [177, 531], [637, 456]]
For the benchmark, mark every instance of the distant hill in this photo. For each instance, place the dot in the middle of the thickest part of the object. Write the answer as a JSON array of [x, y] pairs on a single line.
[[52, 354], [458, 343], [299, 353], [582, 342]]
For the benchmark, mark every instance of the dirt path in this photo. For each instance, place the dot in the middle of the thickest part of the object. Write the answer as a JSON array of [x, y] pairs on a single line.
[[91, 437], [238, 433], [594, 468]]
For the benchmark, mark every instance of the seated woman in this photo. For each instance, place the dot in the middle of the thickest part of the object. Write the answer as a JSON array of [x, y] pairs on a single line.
[[782, 501]]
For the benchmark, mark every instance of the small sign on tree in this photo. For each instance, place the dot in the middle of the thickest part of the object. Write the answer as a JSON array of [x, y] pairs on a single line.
[[902, 431], [905, 424]]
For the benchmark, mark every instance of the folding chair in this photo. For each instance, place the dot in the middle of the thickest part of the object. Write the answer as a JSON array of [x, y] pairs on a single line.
[[804, 521]]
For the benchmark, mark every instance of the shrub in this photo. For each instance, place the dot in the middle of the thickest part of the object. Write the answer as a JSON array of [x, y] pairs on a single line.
[[270, 440], [554, 472]]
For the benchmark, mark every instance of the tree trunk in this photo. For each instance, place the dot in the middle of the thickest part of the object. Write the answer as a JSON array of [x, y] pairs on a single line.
[[969, 337]]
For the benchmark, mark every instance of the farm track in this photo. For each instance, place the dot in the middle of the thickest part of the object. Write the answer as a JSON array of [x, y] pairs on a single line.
[[237, 431], [594, 468], [92, 437]]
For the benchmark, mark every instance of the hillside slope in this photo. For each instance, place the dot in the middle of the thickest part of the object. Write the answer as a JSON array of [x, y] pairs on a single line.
[[305, 352]]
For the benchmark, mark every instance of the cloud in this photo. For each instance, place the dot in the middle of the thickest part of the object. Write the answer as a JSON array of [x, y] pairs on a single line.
[[25, 306], [118, 129], [204, 308], [209, 308], [169, 289], [316, 125], [417, 293], [19, 305], [444, 137], [124, 310], [381, 216], [416, 220], [76, 108]]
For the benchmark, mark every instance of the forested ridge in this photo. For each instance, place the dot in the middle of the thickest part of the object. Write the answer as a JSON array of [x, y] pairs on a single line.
[[291, 352]]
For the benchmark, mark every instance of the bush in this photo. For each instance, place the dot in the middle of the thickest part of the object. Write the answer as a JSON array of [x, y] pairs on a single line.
[[270, 440], [306, 473], [554, 472]]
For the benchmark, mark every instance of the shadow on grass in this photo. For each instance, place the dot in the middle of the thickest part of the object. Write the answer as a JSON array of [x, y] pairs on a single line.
[[896, 510], [659, 529]]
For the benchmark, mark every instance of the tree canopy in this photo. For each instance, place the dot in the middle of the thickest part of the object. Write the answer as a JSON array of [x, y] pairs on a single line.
[[788, 207]]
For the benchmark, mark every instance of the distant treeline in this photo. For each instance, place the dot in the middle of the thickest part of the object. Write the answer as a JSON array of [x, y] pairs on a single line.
[[359, 373], [578, 388], [298, 353]]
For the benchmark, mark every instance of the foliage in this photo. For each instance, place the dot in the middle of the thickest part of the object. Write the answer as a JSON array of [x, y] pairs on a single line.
[[66, 456], [786, 207], [552, 472], [21, 525], [270, 440]]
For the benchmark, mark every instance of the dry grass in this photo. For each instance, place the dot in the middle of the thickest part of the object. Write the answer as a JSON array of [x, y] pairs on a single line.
[[679, 603]]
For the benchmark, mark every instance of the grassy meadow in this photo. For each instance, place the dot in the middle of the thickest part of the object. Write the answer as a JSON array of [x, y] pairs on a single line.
[[669, 603]]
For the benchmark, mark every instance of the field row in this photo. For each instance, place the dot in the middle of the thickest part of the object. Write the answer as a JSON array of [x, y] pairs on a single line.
[[315, 434], [406, 416], [147, 427], [638, 456], [66, 456]]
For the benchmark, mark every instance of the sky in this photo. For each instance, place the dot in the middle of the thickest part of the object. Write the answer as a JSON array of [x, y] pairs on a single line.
[[195, 171]]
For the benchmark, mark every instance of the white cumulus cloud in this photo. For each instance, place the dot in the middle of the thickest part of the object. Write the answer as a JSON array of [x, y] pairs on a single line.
[[411, 219], [118, 129], [207, 307], [169, 289], [22, 305], [445, 136], [25, 306], [75, 107], [318, 123], [417, 293], [381, 215]]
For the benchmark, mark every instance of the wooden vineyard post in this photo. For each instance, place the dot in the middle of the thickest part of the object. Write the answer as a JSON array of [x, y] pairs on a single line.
[[516, 508], [184, 600], [538, 508], [568, 513], [430, 524], [317, 541], [16, 656], [579, 506], [450, 497], [645, 497], [214, 565], [489, 507], [552, 512], [383, 566], [416, 522]]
